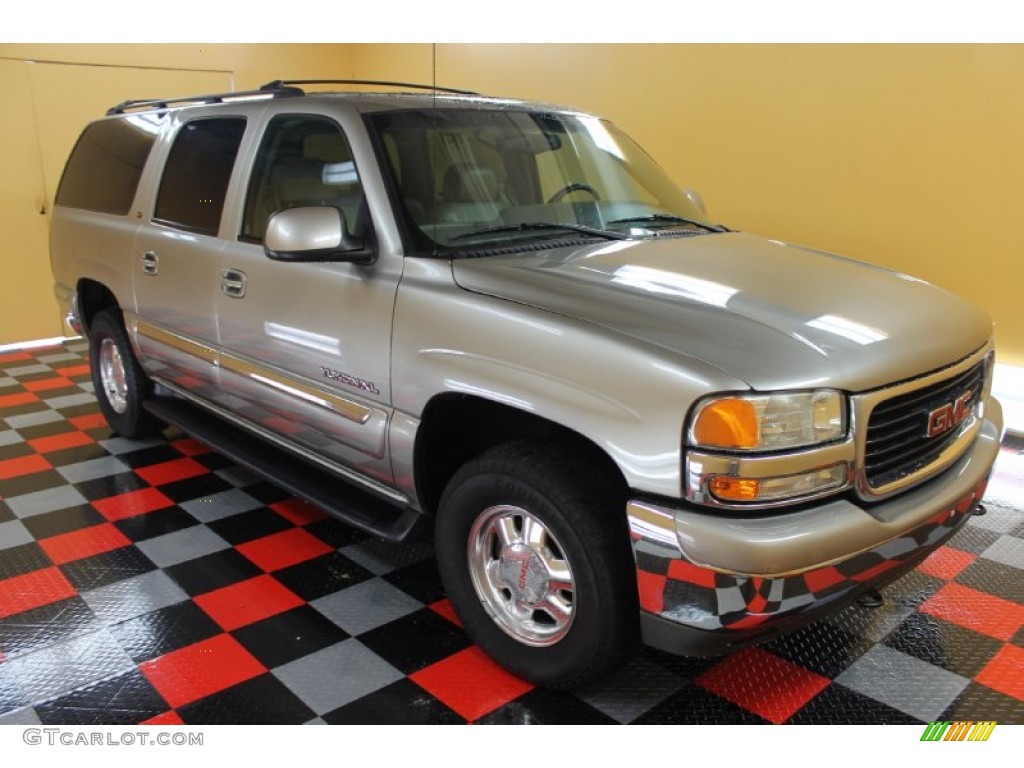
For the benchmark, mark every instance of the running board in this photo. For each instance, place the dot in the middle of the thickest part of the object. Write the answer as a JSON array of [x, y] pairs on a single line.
[[349, 504]]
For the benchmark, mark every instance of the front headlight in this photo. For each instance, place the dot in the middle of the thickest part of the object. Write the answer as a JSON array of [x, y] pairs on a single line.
[[769, 422]]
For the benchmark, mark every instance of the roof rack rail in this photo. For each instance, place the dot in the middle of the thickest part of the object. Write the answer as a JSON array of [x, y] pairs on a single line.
[[278, 84], [271, 90]]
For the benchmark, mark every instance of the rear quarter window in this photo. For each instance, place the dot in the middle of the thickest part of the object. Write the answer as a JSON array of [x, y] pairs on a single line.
[[104, 168]]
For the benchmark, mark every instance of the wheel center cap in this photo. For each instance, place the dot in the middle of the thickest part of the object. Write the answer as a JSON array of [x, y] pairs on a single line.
[[524, 573]]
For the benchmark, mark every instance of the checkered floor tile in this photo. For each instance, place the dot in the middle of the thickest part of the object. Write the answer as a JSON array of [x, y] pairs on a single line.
[[154, 581]]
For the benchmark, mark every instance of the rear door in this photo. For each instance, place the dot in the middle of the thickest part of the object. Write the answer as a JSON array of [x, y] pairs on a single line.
[[177, 254]]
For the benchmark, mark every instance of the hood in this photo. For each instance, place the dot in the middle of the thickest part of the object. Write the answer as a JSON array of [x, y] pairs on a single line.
[[776, 316]]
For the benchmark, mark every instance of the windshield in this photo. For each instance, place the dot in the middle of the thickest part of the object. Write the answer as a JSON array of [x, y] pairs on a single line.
[[472, 179]]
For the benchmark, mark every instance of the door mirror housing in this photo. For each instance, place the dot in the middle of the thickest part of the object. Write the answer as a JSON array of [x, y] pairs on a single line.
[[693, 196], [314, 233]]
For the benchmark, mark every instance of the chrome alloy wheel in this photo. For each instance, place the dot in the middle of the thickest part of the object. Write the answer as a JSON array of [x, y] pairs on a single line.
[[112, 375], [521, 575]]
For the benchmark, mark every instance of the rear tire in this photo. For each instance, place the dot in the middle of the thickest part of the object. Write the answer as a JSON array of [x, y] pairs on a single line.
[[120, 383], [534, 553]]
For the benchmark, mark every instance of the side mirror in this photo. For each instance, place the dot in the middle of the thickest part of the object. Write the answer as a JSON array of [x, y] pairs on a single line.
[[693, 196], [313, 233]]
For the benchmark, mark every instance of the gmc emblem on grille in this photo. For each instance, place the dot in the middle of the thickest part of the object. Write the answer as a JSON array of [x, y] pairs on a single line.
[[950, 415]]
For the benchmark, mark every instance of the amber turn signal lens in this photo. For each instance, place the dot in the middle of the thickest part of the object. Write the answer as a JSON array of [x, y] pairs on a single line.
[[727, 423], [735, 489]]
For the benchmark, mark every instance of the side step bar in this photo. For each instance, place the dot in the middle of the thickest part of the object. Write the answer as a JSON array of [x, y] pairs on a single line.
[[349, 504]]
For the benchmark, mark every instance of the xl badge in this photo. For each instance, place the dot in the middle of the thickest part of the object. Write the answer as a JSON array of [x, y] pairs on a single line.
[[950, 415]]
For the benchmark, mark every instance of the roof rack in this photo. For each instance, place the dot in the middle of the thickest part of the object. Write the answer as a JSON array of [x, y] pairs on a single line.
[[271, 90], [276, 84]]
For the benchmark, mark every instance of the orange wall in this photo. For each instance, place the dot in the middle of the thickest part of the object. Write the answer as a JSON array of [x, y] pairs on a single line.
[[908, 156]]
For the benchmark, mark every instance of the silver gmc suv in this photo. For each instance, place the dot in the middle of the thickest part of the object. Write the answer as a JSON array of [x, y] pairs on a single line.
[[500, 323]]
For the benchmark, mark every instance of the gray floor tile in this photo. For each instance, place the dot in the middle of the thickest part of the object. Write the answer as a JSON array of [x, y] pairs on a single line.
[[133, 597], [40, 502], [58, 357], [177, 547], [92, 469], [25, 370], [12, 697], [63, 667], [220, 505], [622, 699], [910, 685], [10, 437], [77, 346], [87, 386], [380, 557], [66, 401], [997, 519], [119, 445], [337, 675], [23, 716], [45, 416], [14, 534], [366, 606], [1008, 550]]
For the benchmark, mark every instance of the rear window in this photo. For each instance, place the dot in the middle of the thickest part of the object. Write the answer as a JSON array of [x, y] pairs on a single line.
[[103, 171]]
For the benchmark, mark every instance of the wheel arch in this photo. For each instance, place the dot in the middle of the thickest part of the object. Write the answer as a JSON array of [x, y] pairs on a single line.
[[456, 427], [93, 298]]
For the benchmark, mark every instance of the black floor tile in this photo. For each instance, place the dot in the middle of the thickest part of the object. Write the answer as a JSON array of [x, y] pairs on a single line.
[[106, 568], [43, 626], [112, 485], [25, 484], [247, 526], [123, 700], [421, 580], [62, 521], [994, 578], [198, 487], [839, 705], [210, 572], [264, 700], [943, 644], [979, 702], [336, 533], [67, 456], [160, 632], [144, 457], [547, 707], [321, 576], [289, 636], [693, 705], [17, 561], [153, 524], [401, 703], [416, 641]]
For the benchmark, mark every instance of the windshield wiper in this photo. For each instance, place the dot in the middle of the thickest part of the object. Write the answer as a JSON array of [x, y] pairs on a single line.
[[526, 226], [668, 218]]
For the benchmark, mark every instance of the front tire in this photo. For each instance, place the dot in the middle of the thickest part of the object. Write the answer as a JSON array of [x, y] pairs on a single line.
[[534, 553], [120, 383]]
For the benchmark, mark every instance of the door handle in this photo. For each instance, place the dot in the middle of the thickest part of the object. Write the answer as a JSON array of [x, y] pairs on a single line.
[[232, 283], [150, 263]]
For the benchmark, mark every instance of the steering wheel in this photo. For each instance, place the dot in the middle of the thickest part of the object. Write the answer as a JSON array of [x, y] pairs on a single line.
[[576, 187]]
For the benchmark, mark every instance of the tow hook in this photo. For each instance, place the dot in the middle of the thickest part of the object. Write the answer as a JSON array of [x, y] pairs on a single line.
[[979, 509]]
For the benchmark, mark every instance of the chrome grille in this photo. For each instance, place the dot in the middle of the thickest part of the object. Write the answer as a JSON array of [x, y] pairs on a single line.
[[898, 444]]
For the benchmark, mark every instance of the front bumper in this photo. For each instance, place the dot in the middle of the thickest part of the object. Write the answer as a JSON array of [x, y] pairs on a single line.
[[710, 583]]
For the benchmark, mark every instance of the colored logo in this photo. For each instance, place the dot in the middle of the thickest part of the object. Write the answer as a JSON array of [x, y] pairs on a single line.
[[950, 415], [958, 730]]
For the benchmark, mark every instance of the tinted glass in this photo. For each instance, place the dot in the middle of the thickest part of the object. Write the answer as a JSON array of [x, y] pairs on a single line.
[[196, 176], [303, 160], [103, 171]]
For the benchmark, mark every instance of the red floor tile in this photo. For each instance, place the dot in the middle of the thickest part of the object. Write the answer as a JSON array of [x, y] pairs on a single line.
[[248, 601], [1005, 672], [31, 590], [74, 370], [977, 611], [444, 608], [75, 545], [946, 562], [60, 442], [763, 683], [41, 385], [131, 504], [171, 471], [164, 718], [14, 357], [279, 550], [298, 512], [190, 447], [89, 421], [9, 401], [23, 465], [198, 670], [470, 683]]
